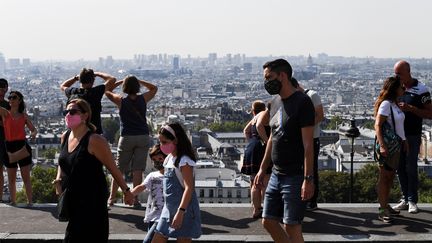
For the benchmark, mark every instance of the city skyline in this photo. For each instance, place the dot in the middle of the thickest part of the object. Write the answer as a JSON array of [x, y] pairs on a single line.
[[71, 30]]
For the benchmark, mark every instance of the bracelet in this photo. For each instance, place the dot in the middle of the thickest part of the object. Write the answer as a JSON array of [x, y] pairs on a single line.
[[76, 78], [55, 181], [182, 209]]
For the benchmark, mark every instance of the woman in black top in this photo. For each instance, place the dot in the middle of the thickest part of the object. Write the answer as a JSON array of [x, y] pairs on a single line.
[[82, 156], [257, 132]]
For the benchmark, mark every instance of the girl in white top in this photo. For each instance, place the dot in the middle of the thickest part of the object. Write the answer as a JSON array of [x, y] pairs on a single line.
[[384, 105], [180, 217]]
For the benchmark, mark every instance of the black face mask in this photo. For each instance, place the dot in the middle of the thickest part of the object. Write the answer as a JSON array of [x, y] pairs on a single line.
[[158, 165], [273, 87]]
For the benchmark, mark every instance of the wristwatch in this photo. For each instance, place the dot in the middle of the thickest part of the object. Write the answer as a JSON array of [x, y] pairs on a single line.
[[308, 177]]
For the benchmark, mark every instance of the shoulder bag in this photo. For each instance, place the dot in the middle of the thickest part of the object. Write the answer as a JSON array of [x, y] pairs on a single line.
[[19, 154], [63, 204], [393, 143]]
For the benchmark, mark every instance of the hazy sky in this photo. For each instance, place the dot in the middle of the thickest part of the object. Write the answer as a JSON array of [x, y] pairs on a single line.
[[73, 29]]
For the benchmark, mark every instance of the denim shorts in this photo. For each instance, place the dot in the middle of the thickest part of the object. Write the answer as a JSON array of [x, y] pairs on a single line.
[[283, 199]]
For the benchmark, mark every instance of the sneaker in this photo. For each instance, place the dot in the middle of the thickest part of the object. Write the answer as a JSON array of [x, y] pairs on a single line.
[[401, 206], [384, 215], [412, 207], [392, 211], [311, 206]]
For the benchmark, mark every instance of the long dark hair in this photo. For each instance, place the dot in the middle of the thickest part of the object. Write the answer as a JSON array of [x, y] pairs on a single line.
[[21, 106], [184, 146], [388, 92]]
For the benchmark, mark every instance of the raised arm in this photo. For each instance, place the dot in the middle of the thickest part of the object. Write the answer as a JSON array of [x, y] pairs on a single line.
[[105, 76], [152, 89], [69, 82], [109, 87]]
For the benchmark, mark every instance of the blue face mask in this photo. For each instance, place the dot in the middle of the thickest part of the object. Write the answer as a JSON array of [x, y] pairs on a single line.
[[273, 87]]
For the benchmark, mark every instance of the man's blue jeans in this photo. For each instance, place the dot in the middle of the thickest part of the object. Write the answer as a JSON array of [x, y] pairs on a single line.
[[408, 169]]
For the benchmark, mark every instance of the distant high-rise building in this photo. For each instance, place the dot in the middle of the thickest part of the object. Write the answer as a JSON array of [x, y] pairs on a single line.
[[26, 62], [309, 61], [109, 62], [101, 62], [229, 58], [14, 62], [212, 57], [176, 63], [237, 59]]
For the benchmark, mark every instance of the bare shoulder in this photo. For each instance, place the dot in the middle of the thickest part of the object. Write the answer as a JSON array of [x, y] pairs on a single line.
[[97, 143], [97, 139]]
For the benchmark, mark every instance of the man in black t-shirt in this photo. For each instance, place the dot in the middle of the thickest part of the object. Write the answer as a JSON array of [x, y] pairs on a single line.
[[290, 148], [416, 105], [93, 95], [3, 155]]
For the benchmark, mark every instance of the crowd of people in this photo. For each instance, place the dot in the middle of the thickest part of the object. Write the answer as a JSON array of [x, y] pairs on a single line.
[[281, 157]]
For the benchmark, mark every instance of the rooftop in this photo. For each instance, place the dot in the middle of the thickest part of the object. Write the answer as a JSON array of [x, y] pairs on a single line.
[[230, 223]]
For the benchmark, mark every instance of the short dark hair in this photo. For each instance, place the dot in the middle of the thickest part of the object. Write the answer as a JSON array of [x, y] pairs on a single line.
[[4, 82], [131, 85], [258, 106], [87, 76], [279, 65]]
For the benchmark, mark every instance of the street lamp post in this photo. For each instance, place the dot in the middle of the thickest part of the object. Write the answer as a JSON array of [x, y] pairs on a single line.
[[425, 160], [352, 133]]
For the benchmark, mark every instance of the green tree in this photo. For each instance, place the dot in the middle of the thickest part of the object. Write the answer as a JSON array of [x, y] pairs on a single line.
[[334, 187], [334, 122], [365, 185], [110, 128], [43, 190], [370, 124], [229, 126], [425, 188], [50, 153]]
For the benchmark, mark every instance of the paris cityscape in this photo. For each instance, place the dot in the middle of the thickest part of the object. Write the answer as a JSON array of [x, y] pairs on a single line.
[[199, 92]]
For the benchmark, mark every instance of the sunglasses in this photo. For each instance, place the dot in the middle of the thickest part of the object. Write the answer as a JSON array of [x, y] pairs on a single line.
[[13, 97], [71, 111]]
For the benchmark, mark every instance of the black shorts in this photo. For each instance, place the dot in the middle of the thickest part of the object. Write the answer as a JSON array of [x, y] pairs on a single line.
[[14, 146]]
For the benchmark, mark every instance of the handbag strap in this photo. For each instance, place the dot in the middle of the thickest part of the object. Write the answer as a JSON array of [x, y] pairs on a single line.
[[393, 120], [133, 106], [65, 184]]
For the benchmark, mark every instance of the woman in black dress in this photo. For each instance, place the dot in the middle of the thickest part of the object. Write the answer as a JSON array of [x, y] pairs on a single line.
[[82, 157], [257, 132]]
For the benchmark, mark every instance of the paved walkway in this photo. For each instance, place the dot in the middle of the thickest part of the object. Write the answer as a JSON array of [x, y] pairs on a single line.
[[230, 223]]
